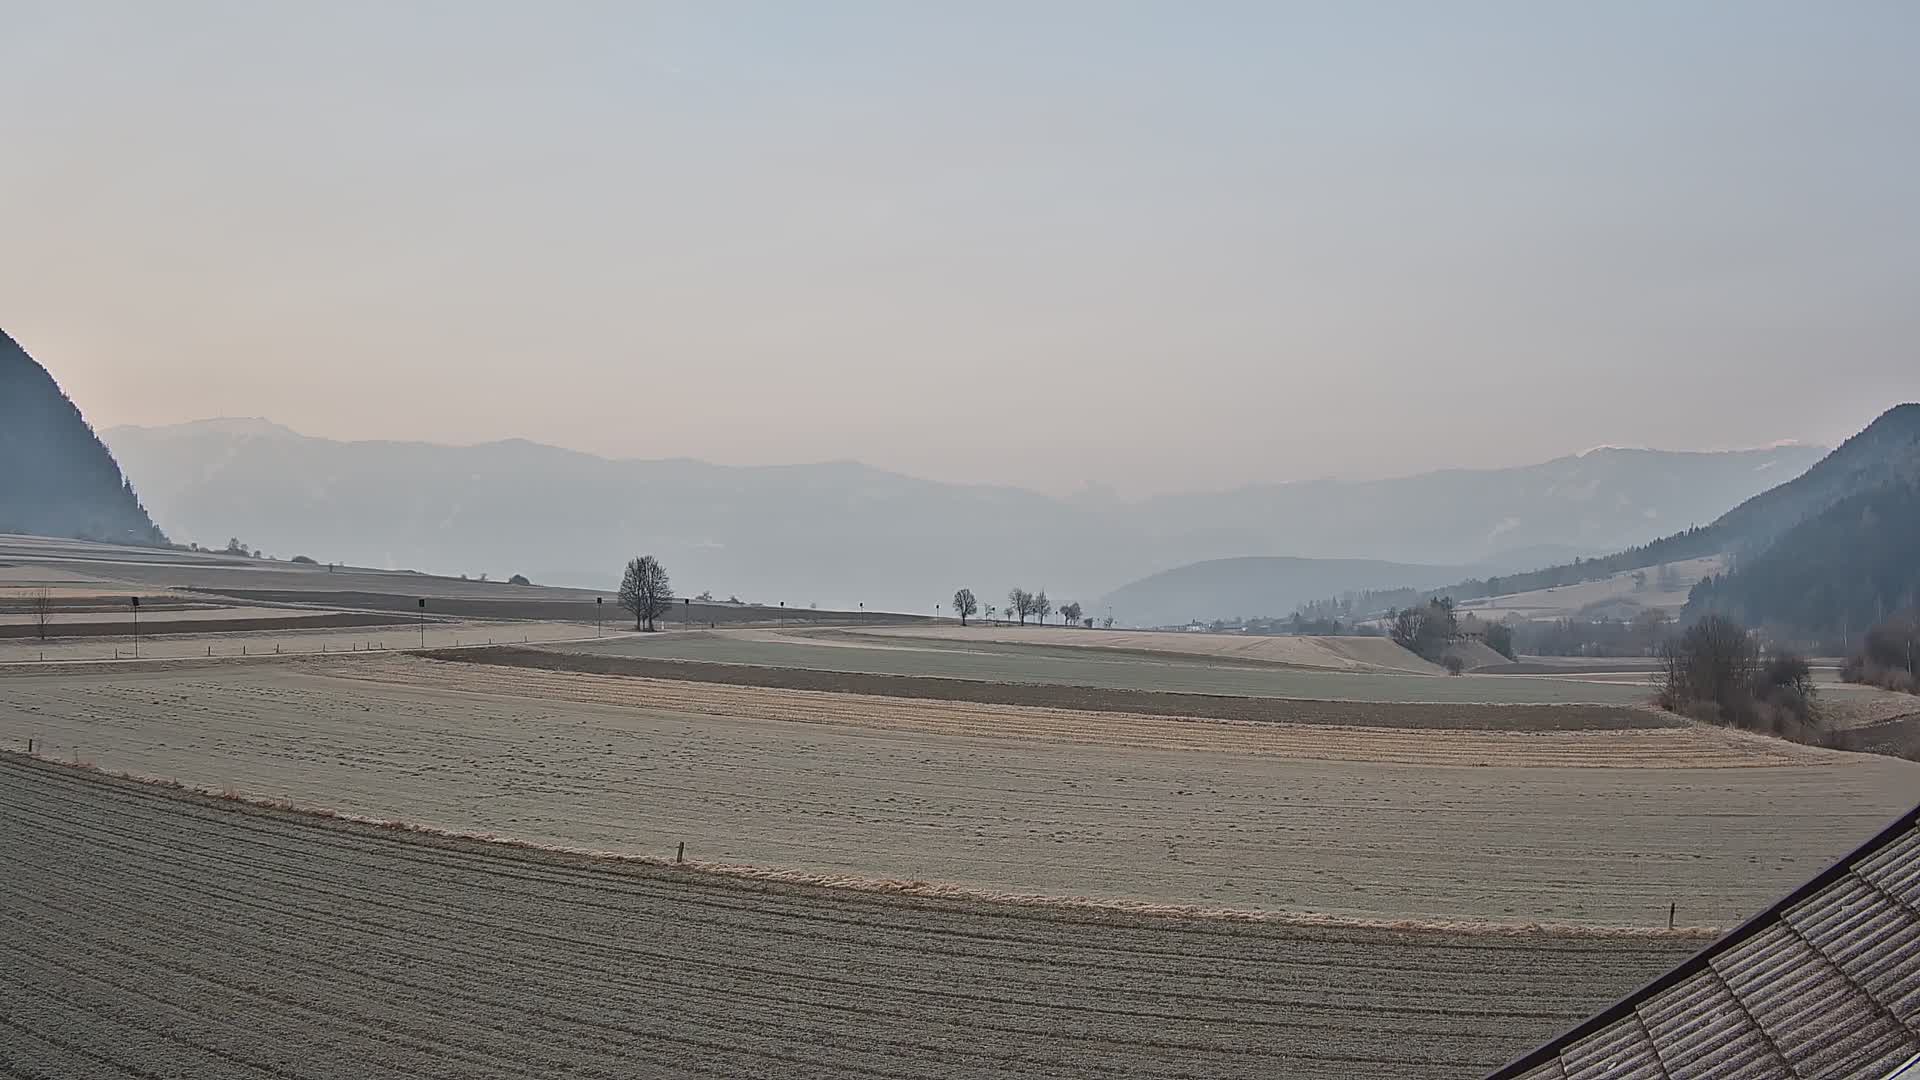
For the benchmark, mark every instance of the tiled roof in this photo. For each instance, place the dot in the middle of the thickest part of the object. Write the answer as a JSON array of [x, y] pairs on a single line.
[[1826, 983]]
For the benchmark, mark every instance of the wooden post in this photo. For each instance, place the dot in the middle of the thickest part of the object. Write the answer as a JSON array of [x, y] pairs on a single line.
[[1671, 908], [29, 747], [681, 855]]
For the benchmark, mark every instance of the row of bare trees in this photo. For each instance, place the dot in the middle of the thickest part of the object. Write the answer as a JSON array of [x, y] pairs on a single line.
[[1021, 605]]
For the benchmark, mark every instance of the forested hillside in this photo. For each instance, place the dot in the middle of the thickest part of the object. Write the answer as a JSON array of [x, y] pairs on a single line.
[[56, 477], [1829, 578]]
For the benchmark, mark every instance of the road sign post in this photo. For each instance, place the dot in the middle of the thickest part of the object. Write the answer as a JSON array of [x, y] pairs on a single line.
[[423, 622], [135, 601]]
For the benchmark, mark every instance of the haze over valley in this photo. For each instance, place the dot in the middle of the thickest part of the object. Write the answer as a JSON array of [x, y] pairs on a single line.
[[843, 533], [959, 541]]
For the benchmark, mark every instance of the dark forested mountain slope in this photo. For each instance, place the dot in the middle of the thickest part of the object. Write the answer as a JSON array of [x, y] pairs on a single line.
[[1886, 452], [56, 477], [1828, 578]]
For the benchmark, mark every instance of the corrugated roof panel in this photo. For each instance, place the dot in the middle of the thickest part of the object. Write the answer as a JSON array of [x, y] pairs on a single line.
[[1895, 867], [1910, 1070], [1807, 1008], [1826, 983], [1874, 940], [1703, 1032], [1623, 1050]]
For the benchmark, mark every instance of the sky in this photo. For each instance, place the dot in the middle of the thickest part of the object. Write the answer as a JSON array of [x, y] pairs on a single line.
[[1151, 247]]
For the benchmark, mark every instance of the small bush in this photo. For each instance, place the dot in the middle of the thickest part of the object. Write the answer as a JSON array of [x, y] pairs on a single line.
[[1887, 656], [303, 560], [518, 579], [1453, 664]]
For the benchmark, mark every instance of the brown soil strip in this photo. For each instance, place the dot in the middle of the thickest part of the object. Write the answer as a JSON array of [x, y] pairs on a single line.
[[1475, 717]]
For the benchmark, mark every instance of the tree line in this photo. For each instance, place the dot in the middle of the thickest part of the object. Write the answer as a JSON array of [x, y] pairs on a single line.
[[1021, 605]]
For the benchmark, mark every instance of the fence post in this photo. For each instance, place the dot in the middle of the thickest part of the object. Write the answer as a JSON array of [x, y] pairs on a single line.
[[681, 855], [1671, 908]]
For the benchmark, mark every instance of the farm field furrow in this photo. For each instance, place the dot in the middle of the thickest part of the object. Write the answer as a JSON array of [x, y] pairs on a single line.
[[1068, 666], [1376, 823], [181, 935]]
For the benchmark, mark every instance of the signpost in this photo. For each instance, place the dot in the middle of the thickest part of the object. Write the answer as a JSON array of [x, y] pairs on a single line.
[[135, 601], [599, 605], [423, 622]]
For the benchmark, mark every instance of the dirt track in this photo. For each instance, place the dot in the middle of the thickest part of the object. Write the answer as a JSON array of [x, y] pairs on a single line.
[[165, 934], [1023, 801]]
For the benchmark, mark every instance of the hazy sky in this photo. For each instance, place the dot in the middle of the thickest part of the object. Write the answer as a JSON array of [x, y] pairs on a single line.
[[1151, 245]]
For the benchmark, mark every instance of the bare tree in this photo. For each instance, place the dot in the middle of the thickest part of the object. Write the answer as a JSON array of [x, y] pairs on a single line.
[[1405, 628], [1714, 663], [1070, 613], [40, 604], [1042, 607], [1020, 603], [964, 604], [645, 591]]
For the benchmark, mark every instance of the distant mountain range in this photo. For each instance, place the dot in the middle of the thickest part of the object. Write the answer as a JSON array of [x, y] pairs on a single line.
[[843, 533], [56, 479], [1814, 560]]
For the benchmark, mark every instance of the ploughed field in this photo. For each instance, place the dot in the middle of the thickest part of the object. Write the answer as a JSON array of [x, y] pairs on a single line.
[[1445, 821], [1033, 660], [162, 933]]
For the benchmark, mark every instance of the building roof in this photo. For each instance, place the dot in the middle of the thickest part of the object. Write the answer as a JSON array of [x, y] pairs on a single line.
[[1825, 983]]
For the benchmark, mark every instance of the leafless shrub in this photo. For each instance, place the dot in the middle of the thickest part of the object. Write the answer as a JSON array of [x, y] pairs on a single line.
[[1714, 673], [1888, 656], [40, 606]]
